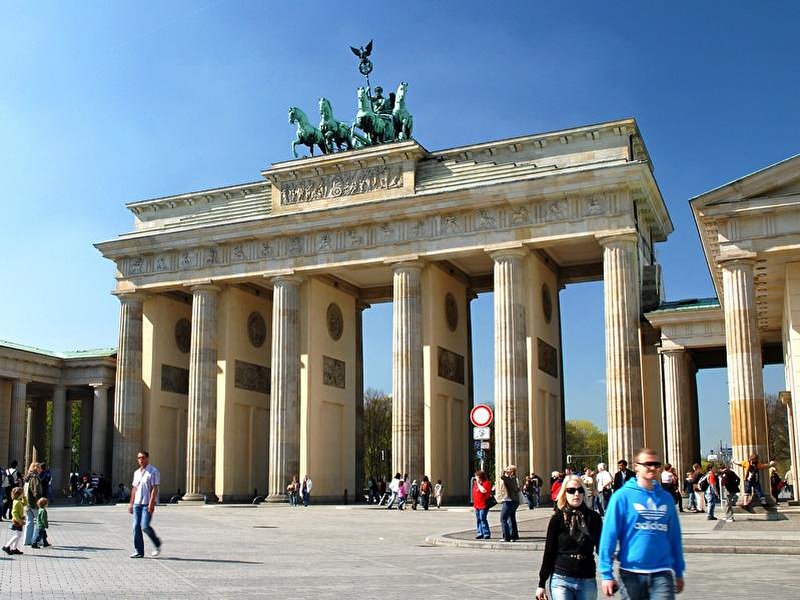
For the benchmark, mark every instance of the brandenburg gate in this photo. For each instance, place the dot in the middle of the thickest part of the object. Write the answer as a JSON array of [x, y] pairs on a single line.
[[241, 341]]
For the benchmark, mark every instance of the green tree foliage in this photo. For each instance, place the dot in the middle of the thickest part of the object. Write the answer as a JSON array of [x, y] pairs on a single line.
[[377, 433], [586, 443], [778, 431]]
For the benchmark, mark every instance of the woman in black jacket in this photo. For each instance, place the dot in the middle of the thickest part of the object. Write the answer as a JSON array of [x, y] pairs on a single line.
[[573, 536]]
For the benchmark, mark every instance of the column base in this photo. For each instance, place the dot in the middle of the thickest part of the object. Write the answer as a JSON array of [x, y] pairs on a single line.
[[194, 498], [276, 498]]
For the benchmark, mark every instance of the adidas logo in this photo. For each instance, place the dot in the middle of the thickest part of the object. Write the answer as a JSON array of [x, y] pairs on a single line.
[[651, 512]]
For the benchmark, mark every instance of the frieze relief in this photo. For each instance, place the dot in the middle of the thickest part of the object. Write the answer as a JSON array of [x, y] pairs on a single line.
[[536, 212], [349, 183]]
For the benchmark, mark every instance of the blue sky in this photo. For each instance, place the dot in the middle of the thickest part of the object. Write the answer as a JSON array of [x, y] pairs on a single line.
[[106, 103]]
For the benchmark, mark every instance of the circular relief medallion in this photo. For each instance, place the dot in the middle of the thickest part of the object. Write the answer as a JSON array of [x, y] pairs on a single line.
[[547, 303], [256, 329], [451, 312], [183, 335], [335, 321]]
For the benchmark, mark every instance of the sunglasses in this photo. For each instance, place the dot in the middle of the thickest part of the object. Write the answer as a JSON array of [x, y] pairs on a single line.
[[575, 490], [650, 464]]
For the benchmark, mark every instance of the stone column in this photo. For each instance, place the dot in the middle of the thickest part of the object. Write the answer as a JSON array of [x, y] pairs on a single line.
[[510, 363], [99, 427], [28, 435], [128, 399], [745, 381], [201, 438], [677, 411], [623, 364], [361, 476], [57, 458], [408, 434], [284, 417], [16, 436]]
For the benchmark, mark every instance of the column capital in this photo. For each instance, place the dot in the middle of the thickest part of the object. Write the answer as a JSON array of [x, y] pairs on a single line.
[[672, 351], [207, 286], [617, 238], [100, 385], [743, 259], [287, 276], [130, 296], [501, 251], [361, 305], [21, 381], [410, 261]]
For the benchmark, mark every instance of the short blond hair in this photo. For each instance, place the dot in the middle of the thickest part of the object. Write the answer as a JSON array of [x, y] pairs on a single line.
[[561, 499]]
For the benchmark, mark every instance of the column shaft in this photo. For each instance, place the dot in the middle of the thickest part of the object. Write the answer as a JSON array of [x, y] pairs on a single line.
[[99, 428], [745, 381], [57, 458], [128, 398], [677, 400], [28, 434], [623, 366], [201, 439], [16, 437], [361, 475], [284, 437], [408, 435], [510, 364]]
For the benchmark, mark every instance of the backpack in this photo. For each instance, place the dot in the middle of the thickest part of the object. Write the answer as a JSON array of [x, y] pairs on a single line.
[[10, 479], [703, 484]]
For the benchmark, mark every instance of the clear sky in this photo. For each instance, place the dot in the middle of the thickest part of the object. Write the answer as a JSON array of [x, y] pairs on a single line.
[[104, 103]]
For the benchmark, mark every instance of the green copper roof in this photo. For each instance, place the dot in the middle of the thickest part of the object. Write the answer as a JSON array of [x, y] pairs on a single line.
[[686, 305], [94, 353]]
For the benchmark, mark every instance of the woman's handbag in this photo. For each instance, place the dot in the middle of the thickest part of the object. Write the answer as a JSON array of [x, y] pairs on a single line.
[[490, 502]]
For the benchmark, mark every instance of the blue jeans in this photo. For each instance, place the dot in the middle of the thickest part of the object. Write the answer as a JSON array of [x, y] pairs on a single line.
[[692, 500], [292, 498], [305, 498], [141, 522], [481, 518], [572, 588], [711, 501], [508, 520], [756, 488], [651, 586], [31, 530]]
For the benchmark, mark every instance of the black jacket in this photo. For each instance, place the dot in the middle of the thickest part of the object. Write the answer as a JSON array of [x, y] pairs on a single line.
[[620, 477], [565, 556]]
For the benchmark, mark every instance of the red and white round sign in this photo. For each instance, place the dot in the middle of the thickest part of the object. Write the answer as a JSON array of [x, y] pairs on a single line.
[[481, 415]]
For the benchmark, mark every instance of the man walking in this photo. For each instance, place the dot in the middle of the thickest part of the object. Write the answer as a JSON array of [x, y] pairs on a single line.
[[144, 496], [641, 526], [730, 481], [623, 475]]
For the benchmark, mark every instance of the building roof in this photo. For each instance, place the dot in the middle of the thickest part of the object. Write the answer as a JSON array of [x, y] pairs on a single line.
[[93, 353]]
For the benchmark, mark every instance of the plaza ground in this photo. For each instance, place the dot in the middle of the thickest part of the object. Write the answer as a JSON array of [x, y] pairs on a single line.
[[346, 552]]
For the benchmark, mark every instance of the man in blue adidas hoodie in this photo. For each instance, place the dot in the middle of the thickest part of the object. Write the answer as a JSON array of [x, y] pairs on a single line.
[[641, 519]]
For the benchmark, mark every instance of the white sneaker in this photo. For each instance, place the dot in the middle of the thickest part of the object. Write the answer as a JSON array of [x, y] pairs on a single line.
[[156, 552]]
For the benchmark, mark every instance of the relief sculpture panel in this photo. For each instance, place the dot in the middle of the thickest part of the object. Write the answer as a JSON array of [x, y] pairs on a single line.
[[253, 378], [349, 183], [333, 372], [174, 380], [451, 365], [548, 358]]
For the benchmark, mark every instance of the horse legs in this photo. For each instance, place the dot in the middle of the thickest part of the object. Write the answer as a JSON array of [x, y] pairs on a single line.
[[294, 147]]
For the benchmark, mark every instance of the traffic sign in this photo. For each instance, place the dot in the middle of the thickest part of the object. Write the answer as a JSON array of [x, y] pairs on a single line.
[[486, 445], [477, 444], [481, 415], [481, 433]]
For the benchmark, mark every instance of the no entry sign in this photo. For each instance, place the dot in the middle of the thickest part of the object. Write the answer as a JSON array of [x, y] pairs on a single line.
[[481, 415]]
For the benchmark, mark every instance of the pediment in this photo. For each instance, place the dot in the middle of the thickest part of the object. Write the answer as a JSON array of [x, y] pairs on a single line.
[[775, 181]]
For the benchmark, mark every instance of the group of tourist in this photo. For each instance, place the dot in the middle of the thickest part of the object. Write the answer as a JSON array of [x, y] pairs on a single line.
[[299, 491], [399, 492], [25, 505]]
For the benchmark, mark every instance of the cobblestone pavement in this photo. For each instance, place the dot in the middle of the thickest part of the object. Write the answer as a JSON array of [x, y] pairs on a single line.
[[318, 552]]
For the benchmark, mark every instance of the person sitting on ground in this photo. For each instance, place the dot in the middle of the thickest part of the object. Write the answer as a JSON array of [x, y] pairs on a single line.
[[573, 537]]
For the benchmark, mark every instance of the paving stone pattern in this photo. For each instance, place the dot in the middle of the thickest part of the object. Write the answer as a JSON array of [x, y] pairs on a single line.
[[318, 552]]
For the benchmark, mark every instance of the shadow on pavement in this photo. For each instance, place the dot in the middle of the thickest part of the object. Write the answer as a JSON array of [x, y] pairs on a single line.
[[211, 560], [84, 548]]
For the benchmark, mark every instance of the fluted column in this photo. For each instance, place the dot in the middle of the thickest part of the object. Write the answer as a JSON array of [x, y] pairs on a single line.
[[28, 434], [743, 349], [16, 435], [623, 366], [677, 400], [361, 476], [57, 458], [284, 417], [99, 427], [128, 397], [408, 435], [510, 363], [201, 437]]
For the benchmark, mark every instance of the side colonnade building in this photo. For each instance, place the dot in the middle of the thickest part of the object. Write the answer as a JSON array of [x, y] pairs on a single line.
[[35, 382], [241, 340]]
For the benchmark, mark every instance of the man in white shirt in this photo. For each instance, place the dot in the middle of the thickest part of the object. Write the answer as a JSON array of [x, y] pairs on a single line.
[[603, 481], [144, 497]]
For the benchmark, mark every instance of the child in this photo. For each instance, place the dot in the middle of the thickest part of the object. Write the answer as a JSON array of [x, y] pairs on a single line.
[[402, 491], [41, 525], [17, 522]]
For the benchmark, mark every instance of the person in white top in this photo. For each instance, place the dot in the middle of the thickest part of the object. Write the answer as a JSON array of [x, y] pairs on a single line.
[[588, 483], [603, 482], [144, 497]]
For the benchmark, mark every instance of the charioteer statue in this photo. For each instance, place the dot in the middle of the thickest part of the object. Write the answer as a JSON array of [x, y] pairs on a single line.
[[378, 120]]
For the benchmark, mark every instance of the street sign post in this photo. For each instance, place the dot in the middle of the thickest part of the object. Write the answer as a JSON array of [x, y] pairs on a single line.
[[486, 445], [481, 415], [481, 433]]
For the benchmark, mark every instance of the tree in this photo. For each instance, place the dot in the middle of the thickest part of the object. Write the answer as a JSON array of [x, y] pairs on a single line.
[[377, 433], [586, 443], [778, 433]]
